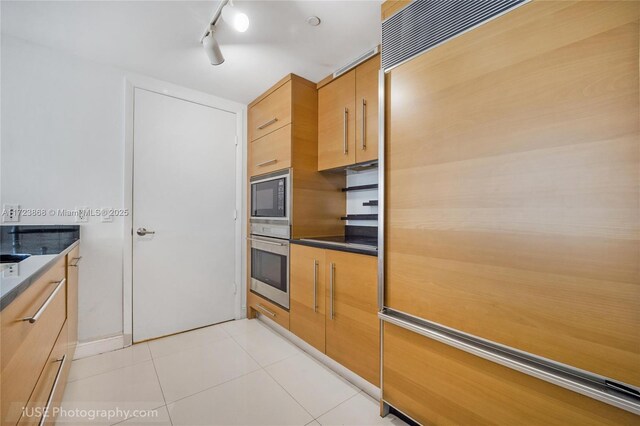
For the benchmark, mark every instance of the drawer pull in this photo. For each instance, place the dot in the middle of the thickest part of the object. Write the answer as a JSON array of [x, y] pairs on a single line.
[[45, 414], [268, 123], [46, 303], [264, 163], [265, 310], [75, 261]]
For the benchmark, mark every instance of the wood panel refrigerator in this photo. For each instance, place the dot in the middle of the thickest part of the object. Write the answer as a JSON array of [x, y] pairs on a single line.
[[511, 167]]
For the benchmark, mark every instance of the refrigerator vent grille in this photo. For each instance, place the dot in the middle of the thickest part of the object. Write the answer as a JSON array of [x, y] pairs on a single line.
[[425, 24]]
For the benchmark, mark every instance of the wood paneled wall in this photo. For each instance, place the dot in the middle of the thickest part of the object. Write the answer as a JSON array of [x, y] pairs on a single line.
[[513, 184]]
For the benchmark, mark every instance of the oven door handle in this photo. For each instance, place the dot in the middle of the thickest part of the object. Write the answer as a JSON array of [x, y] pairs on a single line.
[[266, 242]]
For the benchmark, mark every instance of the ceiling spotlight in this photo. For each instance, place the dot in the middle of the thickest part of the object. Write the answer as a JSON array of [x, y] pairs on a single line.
[[238, 20], [212, 48], [234, 17], [314, 21]]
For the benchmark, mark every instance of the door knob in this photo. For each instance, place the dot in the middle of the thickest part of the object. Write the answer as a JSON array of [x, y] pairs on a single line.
[[143, 232]]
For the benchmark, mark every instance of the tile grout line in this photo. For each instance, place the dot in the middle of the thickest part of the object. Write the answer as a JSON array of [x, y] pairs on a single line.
[[211, 387], [134, 417], [161, 390], [263, 368], [226, 381], [343, 402], [302, 352], [109, 371], [292, 397]]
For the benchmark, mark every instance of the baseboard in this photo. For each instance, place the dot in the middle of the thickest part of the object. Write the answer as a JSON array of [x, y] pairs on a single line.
[[338, 368], [96, 347]]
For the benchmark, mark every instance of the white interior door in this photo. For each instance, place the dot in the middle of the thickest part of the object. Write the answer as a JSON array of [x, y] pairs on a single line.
[[184, 174]]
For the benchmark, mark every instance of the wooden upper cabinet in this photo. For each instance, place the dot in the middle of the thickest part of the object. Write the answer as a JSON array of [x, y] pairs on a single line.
[[271, 112], [348, 117], [352, 325], [367, 110], [271, 152], [307, 310], [336, 122]]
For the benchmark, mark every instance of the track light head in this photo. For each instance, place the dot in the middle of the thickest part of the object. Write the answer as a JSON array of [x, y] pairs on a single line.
[[212, 49]]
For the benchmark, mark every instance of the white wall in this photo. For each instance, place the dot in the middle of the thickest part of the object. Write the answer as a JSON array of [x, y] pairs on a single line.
[[62, 146], [356, 198]]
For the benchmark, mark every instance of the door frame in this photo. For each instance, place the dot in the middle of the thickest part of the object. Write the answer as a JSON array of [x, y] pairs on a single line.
[[132, 82]]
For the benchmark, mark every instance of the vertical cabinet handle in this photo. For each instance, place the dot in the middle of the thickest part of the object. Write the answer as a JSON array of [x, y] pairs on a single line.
[[45, 414], [345, 147], [315, 286], [364, 124], [331, 280]]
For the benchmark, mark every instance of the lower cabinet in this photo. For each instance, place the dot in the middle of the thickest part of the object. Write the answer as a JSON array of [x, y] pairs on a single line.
[[307, 295], [269, 309], [334, 306], [438, 384], [39, 332], [27, 344], [49, 389]]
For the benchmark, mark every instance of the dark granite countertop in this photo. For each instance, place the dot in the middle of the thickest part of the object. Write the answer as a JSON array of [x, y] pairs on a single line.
[[357, 239], [45, 243]]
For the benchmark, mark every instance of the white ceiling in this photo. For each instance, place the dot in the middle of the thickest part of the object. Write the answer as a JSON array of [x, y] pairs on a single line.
[[161, 38]]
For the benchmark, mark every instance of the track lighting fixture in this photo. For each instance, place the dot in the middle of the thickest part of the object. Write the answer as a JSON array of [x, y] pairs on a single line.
[[238, 20], [212, 48]]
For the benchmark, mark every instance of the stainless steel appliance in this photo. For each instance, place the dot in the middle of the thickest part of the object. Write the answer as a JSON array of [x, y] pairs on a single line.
[[270, 269], [271, 204]]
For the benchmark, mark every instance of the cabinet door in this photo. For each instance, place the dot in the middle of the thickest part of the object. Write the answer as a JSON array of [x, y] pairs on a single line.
[[72, 300], [367, 110], [353, 328], [271, 152], [336, 122], [307, 311], [271, 113]]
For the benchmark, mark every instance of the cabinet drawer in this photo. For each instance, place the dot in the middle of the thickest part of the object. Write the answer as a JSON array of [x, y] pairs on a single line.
[[438, 384], [25, 345], [48, 392], [271, 113], [271, 152], [269, 309]]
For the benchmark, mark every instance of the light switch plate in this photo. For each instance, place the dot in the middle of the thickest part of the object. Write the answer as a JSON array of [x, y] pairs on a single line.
[[10, 213], [82, 216], [105, 217]]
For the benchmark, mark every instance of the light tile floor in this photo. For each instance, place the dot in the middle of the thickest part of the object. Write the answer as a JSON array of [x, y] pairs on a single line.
[[236, 373]]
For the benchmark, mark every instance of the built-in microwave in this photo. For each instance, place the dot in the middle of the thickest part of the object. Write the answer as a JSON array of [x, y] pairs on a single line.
[[269, 269], [271, 204]]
